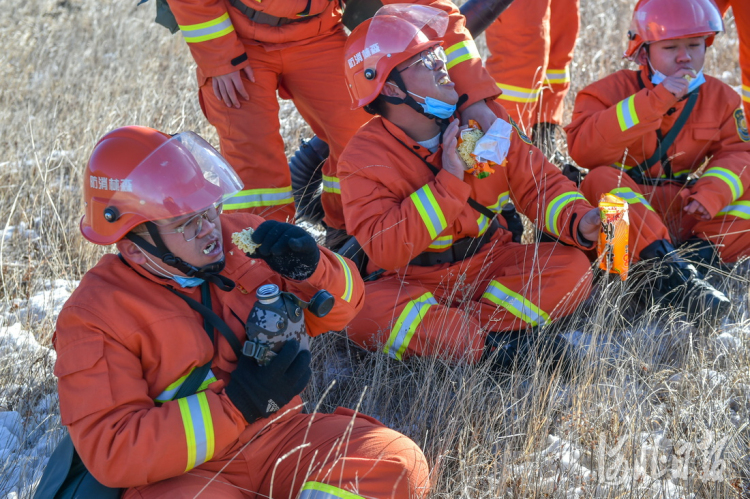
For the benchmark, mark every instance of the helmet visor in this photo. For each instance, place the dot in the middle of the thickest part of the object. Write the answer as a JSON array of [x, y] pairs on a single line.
[[184, 175]]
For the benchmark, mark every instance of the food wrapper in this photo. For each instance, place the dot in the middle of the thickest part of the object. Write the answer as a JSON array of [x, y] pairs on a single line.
[[612, 247], [467, 141], [494, 145]]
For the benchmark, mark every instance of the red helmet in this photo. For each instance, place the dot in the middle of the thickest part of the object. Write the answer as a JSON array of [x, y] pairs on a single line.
[[138, 174], [396, 33], [657, 20]]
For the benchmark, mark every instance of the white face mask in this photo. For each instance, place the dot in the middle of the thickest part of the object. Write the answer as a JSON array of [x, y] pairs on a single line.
[[183, 281], [657, 77]]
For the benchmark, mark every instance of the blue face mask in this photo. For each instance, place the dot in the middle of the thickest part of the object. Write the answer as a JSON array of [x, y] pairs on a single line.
[[187, 282], [658, 77], [436, 107]]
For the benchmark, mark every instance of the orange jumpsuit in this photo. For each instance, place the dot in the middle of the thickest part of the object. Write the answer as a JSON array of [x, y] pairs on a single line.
[[125, 344], [531, 46], [303, 60], [741, 11], [397, 208], [614, 124]]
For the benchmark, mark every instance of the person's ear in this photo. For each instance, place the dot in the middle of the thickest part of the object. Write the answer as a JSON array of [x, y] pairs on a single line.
[[390, 89], [642, 56], [131, 252]]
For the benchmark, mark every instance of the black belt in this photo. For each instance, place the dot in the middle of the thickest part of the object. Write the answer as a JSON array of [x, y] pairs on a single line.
[[257, 16], [460, 250]]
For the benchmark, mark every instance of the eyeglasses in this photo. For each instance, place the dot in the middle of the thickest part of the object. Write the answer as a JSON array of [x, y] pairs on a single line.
[[429, 58], [193, 226]]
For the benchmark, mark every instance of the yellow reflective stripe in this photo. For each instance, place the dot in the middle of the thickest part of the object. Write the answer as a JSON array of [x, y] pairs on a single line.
[[260, 197], [631, 196], [745, 93], [729, 177], [483, 222], [518, 94], [442, 243], [620, 166], [502, 200], [169, 393], [556, 207], [347, 296], [739, 209], [678, 174], [429, 210], [331, 184], [515, 304], [557, 76], [199, 429], [406, 324], [626, 115], [317, 490], [460, 52], [194, 33]]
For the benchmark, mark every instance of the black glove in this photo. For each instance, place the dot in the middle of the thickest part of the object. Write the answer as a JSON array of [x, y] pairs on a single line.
[[259, 391], [287, 249]]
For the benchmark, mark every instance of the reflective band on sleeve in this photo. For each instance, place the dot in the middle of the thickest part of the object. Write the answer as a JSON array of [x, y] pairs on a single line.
[[317, 490], [210, 30], [254, 198], [199, 429], [620, 166], [483, 222], [441, 243], [729, 177], [331, 184], [502, 200], [347, 296], [515, 304], [172, 389], [739, 209], [460, 52], [626, 115], [745, 93], [518, 94], [557, 76], [429, 210], [556, 207], [631, 196], [402, 332]]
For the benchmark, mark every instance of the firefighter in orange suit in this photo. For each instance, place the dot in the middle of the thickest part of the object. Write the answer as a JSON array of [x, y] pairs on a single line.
[[453, 280], [531, 46], [246, 51], [127, 339], [621, 125], [741, 11]]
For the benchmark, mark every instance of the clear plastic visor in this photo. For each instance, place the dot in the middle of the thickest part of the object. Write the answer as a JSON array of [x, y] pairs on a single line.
[[396, 27], [182, 176], [658, 20]]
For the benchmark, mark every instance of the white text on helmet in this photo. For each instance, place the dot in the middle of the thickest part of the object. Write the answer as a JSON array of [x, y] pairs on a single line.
[[111, 184], [361, 56]]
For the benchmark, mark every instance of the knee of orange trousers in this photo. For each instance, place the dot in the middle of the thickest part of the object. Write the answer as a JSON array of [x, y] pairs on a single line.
[[646, 225], [194, 483], [406, 320], [730, 235]]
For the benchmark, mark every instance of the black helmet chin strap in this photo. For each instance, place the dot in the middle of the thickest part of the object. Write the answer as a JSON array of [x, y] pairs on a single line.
[[210, 272]]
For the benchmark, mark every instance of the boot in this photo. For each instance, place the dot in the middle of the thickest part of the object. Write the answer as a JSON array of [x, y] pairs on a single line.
[[703, 255], [513, 349], [544, 137], [678, 283]]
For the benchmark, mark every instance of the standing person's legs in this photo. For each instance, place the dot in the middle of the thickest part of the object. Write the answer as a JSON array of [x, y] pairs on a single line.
[[314, 78], [519, 48], [250, 139]]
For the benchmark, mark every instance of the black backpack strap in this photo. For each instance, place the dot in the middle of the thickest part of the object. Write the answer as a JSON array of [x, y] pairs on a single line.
[[212, 319], [662, 146]]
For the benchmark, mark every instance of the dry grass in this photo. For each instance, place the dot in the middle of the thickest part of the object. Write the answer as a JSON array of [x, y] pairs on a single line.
[[74, 69]]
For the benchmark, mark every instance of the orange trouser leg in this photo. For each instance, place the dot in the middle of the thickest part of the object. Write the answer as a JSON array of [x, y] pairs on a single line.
[[314, 78], [519, 49], [563, 31], [729, 230], [741, 9], [646, 224], [251, 142], [334, 453], [449, 312]]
